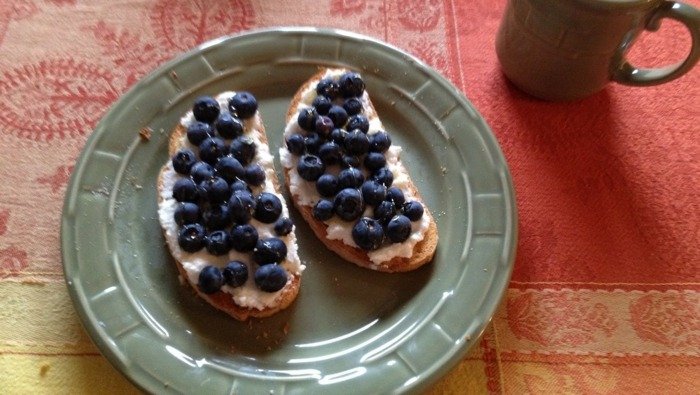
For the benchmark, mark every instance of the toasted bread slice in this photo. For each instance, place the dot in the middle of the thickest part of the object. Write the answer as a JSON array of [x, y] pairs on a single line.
[[247, 300], [418, 250]]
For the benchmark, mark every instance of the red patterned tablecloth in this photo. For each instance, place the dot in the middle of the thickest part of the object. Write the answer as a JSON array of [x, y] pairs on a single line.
[[604, 295]]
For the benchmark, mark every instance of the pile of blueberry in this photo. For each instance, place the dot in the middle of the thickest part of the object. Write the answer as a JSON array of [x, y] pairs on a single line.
[[335, 136], [216, 202]]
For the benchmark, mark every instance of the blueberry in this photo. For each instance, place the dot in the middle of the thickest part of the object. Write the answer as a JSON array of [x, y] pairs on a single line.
[[356, 143], [228, 126], [201, 171], [338, 115], [379, 142], [243, 104], [191, 237], [330, 153], [295, 144], [198, 132], [241, 204], [307, 118], [183, 161], [310, 167], [235, 274], [327, 185], [374, 161], [268, 208], [239, 185], [351, 177], [254, 174], [243, 148], [270, 277], [218, 242], [312, 142], [202, 193], [351, 84], [246, 196], [384, 176], [385, 211], [244, 237], [212, 149], [324, 125], [328, 87], [210, 280], [338, 136], [349, 161], [283, 226], [353, 106], [229, 168], [358, 121], [323, 210], [205, 109], [413, 210], [348, 204], [215, 190], [368, 234], [373, 192], [398, 229], [269, 250], [217, 217], [187, 213], [322, 104], [185, 190], [395, 195]]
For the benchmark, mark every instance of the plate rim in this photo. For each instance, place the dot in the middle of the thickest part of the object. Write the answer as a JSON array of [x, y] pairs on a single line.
[[490, 305]]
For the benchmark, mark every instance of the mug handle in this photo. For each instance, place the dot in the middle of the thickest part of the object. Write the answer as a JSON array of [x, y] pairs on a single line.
[[629, 75]]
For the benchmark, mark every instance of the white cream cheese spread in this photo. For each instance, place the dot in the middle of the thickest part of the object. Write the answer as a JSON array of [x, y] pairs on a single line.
[[248, 295], [306, 194]]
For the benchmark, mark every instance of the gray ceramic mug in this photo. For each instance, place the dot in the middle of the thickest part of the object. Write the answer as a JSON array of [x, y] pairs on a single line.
[[569, 49]]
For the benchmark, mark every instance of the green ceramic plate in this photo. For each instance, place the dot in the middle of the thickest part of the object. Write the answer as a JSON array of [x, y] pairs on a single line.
[[351, 329]]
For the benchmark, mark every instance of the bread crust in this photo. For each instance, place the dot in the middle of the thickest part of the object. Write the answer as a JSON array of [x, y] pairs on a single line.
[[221, 300], [423, 251]]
